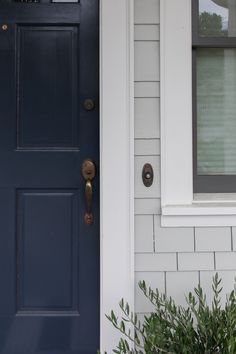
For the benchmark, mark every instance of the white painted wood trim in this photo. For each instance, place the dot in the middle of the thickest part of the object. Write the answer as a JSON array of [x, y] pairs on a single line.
[[201, 215], [117, 161], [198, 221], [177, 200], [176, 102]]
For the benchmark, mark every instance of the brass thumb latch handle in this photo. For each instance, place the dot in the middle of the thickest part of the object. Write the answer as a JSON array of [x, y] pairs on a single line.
[[88, 172]]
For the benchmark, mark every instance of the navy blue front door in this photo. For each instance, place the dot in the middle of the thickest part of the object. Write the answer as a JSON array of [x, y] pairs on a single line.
[[49, 256]]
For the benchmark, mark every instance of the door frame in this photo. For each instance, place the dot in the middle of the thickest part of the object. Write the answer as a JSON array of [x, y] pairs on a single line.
[[116, 161]]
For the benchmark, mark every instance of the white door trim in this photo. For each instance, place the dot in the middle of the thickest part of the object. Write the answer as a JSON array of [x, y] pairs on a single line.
[[117, 161]]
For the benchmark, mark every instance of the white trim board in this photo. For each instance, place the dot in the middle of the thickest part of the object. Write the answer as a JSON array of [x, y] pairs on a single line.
[[117, 160], [176, 102]]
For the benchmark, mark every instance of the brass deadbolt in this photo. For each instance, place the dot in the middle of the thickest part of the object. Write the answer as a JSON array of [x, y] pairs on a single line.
[[89, 104], [4, 27]]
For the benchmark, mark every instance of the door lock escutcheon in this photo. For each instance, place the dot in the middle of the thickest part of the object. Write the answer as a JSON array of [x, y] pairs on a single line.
[[4, 27], [147, 175], [88, 173], [89, 104]]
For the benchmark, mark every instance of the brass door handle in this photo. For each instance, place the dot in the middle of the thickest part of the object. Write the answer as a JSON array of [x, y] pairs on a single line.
[[89, 196], [88, 172]]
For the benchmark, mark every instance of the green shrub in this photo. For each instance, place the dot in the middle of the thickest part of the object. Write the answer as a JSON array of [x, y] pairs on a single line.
[[172, 329]]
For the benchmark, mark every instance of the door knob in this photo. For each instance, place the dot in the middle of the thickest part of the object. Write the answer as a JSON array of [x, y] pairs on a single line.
[[88, 173]]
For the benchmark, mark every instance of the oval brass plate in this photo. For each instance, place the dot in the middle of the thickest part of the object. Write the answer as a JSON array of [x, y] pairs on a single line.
[[88, 169]]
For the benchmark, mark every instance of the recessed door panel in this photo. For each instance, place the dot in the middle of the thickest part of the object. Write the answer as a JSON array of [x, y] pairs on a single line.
[[47, 80], [47, 251]]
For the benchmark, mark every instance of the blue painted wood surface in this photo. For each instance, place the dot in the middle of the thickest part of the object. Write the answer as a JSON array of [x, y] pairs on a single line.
[[49, 258]]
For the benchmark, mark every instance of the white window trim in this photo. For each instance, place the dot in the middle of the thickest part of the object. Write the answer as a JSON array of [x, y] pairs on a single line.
[[178, 205], [117, 161]]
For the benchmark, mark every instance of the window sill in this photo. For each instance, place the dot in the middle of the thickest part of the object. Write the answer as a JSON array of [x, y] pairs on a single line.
[[204, 213]]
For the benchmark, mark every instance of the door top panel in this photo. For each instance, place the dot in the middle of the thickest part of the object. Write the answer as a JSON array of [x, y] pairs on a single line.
[[40, 13]]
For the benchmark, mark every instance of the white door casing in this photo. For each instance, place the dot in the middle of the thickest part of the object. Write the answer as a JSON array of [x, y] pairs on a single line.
[[116, 161]]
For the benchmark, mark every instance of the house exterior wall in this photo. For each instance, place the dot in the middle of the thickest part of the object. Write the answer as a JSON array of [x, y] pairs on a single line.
[[171, 259]]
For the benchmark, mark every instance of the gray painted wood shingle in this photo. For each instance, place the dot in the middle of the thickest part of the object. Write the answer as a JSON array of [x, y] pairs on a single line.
[[172, 259]]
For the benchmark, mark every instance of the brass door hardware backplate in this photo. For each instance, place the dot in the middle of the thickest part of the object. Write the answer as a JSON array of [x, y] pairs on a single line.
[[89, 104], [88, 172]]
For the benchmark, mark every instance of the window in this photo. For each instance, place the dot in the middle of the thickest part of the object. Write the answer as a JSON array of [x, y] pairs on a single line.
[[186, 58], [214, 95]]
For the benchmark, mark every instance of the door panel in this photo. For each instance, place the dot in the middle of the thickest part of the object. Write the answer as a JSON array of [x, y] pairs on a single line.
[[43, 13], [47, 225], [47, 80], [49, 257]]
